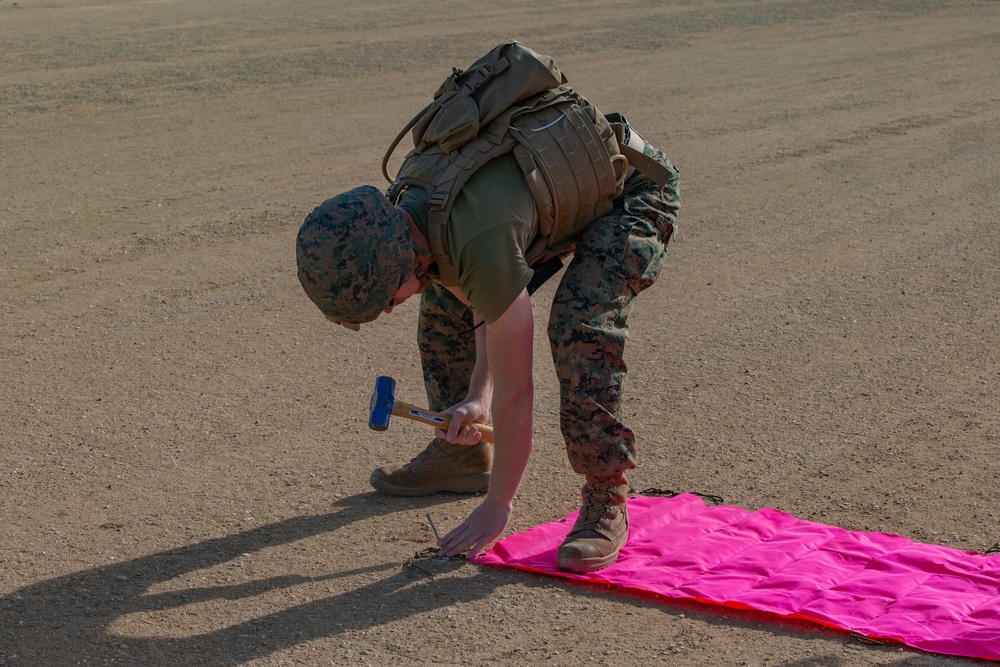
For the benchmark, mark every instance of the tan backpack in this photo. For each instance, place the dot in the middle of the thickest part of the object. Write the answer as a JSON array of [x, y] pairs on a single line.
[[513, 99]]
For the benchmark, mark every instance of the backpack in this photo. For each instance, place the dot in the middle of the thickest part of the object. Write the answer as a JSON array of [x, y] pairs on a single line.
[[514, 100]]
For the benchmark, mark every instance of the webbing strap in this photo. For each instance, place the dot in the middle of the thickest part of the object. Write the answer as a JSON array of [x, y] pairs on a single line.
[[646, 165], [437, 239]]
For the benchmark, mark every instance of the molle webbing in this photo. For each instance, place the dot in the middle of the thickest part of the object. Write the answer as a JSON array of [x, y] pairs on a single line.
[[565, 154]]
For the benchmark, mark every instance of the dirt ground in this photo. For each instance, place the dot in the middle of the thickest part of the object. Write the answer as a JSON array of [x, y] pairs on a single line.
[[184, 458]]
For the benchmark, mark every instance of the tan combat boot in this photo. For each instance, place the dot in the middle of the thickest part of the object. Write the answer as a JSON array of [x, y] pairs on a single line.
[[601, 530], [441, 467]]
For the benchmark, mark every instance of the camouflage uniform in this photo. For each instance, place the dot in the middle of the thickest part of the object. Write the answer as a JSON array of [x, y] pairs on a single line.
[[616, 257]]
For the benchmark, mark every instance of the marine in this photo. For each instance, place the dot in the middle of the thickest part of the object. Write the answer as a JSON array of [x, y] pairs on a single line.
[[361, 254]]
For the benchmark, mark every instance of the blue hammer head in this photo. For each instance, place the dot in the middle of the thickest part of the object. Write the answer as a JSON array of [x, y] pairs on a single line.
[[383, 399]]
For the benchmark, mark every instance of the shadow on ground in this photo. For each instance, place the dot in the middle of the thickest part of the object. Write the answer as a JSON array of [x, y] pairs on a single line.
[[68, 620]]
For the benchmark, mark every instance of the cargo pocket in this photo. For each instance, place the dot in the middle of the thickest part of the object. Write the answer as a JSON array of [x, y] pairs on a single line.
[[640, 244]]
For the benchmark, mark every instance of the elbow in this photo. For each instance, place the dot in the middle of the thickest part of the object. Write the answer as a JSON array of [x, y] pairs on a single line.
[[517, 399]]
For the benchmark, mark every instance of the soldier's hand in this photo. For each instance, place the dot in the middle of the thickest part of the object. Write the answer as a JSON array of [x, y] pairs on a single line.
[[463, 415], [483, 525]]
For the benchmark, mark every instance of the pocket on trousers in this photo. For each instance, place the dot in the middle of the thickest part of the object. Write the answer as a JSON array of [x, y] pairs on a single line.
[[640, 247]]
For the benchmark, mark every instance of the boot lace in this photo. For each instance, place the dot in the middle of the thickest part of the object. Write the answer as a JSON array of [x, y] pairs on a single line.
[[598, 497], [432, 451]]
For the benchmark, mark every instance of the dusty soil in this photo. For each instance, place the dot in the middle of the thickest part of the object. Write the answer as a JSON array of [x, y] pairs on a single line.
[[184, 459]]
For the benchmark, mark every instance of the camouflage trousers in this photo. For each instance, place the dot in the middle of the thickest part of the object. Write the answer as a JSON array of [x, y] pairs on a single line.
[[616, 258]]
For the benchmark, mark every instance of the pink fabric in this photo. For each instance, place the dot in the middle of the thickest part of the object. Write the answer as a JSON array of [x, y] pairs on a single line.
[[883, 586]]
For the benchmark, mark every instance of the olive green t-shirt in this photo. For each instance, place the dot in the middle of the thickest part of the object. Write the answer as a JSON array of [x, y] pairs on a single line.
[[493, 221]]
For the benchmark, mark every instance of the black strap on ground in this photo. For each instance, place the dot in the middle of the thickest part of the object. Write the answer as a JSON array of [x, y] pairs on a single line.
[[871, 641], [670, 493], [995, 549]]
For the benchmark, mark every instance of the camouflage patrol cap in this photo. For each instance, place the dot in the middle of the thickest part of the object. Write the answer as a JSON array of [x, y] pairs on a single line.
[[353, 252]]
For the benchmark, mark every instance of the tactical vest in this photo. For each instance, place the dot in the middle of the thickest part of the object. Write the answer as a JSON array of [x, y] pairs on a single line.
[[515, 100]]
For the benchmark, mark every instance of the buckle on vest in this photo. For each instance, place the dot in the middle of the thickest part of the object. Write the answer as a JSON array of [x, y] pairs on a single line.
[[478, 78], [437, 200]]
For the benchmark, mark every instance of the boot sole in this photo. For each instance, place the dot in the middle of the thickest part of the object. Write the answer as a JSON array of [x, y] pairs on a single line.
[[467, 484], [584, 565]]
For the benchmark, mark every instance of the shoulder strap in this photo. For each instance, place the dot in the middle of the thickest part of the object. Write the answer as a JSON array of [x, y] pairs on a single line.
[[492, 142]]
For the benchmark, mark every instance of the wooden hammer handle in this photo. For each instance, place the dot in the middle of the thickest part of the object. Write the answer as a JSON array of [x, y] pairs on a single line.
[[436, 419]]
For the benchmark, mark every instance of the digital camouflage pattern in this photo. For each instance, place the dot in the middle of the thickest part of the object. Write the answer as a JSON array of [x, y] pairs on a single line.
[[616, 257], [447, 345], [353, 252]]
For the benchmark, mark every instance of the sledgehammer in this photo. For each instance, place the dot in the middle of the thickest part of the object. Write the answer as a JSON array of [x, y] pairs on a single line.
[[384, 405]]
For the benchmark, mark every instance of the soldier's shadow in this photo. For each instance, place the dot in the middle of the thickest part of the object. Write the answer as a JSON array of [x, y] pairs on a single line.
[[68, 619]]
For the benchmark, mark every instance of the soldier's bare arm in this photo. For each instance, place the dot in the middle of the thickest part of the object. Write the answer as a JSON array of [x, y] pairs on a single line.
[[509, 355]]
